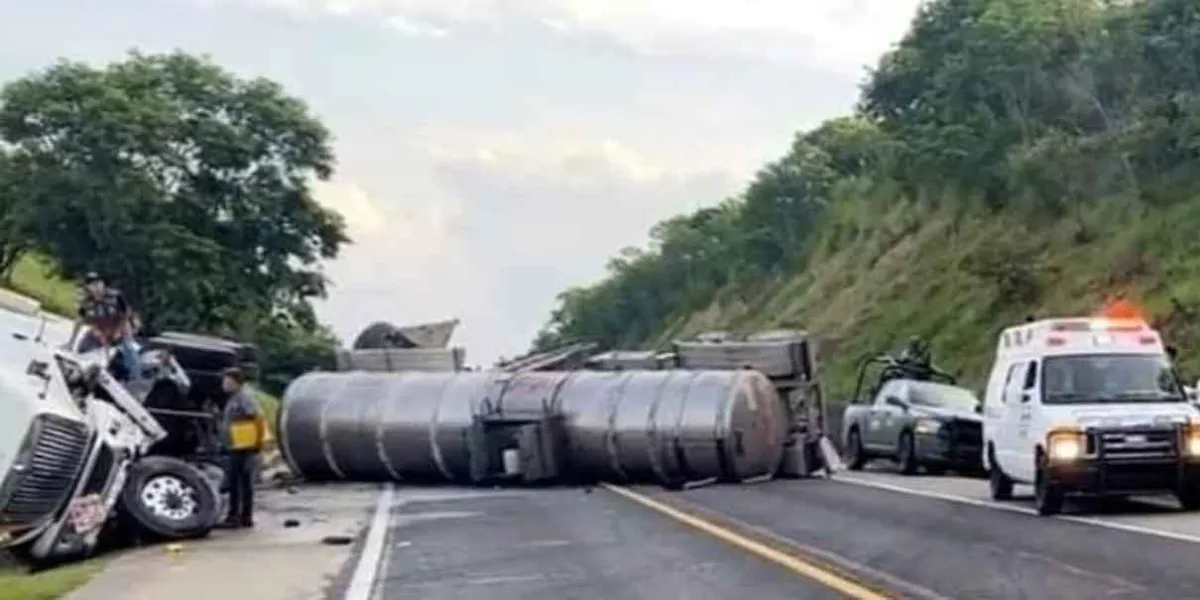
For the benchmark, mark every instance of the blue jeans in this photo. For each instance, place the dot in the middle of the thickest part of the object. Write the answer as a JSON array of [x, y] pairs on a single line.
[[125, 348], [129, 356]]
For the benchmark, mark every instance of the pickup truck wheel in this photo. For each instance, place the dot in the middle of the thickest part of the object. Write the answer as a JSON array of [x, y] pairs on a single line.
[[1048, 498], [856, 457], [999, 484], [169, 499], [1189, 497], [907, 454]]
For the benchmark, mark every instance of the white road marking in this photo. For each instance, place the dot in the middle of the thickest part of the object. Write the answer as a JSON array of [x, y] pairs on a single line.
[[505, 579], [362, 582], [1182, 537]]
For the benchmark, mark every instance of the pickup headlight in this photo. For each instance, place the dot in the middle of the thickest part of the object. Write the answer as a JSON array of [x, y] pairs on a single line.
[[1065, 445], [927, 426], [1191, 439]]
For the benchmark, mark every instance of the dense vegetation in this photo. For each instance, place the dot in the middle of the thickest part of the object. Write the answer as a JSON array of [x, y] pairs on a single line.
[[188, 188], [1008, 157]]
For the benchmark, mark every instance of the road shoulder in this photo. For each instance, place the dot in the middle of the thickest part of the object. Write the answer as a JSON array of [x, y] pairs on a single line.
[[274, 561]]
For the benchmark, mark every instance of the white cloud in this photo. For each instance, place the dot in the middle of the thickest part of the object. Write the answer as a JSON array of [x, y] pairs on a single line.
[[363, 216], [396, 248], [842, 34], [537, 219], [409, 26]]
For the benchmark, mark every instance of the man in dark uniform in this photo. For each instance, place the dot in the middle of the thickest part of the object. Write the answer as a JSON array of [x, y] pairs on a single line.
[[242, 461], [110, 322], [916, 359]]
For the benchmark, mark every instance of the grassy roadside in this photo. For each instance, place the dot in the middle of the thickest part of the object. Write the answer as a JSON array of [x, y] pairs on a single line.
[[33, 276], [958, 278], [46, 585]]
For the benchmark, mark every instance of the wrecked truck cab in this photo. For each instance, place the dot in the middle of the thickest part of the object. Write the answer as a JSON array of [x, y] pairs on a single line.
[[77, 468], [44, 439]]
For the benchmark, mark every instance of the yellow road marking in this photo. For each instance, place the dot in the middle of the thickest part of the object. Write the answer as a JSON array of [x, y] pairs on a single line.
[[796, 565]]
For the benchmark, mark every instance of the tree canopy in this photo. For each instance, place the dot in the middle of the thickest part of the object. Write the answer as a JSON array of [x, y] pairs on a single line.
[[188, 187], [1033, 106]]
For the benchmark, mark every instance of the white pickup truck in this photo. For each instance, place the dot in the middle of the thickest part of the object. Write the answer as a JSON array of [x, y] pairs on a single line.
[[75, 445]]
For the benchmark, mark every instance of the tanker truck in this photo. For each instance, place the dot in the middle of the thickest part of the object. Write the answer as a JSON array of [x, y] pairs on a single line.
[[79, 463]]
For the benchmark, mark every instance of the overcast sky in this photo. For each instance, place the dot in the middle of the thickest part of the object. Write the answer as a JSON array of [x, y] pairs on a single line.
[[494, 152]]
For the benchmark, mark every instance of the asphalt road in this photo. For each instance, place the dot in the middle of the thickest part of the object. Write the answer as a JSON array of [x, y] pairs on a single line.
[[939, 548], [903, 537], [561, 544]]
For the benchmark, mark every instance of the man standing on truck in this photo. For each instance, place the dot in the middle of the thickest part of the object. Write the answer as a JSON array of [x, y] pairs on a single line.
[[916, 359], [243, 431], [110, 322]]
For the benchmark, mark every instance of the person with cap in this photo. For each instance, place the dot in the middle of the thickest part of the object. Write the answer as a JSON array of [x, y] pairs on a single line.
[[110, 322], [243, 431]]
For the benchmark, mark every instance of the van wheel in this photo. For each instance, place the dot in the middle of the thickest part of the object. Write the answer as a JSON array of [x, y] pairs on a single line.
[[856, 455], [169, 499], [998, 483], [1048, 498], [907, 454]]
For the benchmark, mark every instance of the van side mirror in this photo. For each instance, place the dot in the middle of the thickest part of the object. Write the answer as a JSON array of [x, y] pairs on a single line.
[[979, 408], [1025, 398]]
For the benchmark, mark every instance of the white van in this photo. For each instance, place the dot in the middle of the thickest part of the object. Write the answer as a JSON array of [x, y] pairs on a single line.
[[1088, 406]]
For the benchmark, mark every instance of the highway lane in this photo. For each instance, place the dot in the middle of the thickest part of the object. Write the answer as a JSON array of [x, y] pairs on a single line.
[[958, 546], [865, 535], [562, 543]]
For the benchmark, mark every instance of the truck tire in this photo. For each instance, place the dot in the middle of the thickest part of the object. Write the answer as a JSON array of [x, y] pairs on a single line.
[[856, 456], [906, 454], [999, 484], [1047, 497], [169, 499]]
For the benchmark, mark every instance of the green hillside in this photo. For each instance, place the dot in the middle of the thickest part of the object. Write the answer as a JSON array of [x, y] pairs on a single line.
[[1008, 158]]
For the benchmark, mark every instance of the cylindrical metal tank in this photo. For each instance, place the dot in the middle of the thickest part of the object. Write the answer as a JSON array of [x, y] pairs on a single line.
[[366, 426], [662, 426]]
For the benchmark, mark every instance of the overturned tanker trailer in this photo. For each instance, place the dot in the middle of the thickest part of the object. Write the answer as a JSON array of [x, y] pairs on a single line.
[[672, 427]]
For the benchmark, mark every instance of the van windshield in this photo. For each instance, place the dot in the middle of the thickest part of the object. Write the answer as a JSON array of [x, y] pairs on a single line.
[[1100, 378]]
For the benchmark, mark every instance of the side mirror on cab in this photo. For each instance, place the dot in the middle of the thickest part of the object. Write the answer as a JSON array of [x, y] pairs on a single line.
[[979, 408], [898, 403]]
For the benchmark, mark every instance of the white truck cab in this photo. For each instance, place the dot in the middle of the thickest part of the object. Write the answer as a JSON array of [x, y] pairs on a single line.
[[74, 450], [1088, 406]]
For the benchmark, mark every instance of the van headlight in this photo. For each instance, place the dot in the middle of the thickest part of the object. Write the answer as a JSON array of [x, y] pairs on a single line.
[[927, 426], [1064, 445]]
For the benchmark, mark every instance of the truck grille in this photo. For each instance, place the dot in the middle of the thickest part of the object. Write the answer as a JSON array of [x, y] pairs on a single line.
[[1133, 443], [53, 452]]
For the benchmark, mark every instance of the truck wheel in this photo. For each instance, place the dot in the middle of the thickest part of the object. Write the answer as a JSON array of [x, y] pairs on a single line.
[[169, 499], [907, 455], [1047, 497], [999, 484], [856, 456]]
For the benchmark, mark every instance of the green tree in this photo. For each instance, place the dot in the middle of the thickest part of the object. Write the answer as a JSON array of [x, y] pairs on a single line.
[[16, 237], [186, 185]]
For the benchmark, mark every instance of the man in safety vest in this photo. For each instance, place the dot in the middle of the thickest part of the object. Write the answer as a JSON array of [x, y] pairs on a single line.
[[243, 432]]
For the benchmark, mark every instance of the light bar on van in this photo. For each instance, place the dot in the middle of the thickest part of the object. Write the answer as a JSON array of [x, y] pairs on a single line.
[[1055, 341], [1081, 325]]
